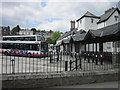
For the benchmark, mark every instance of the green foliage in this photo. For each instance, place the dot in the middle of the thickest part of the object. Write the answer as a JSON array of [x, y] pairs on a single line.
[[43, 31], [50, 31], [55, 36], [34, 30], [49, 40], [15, 30]]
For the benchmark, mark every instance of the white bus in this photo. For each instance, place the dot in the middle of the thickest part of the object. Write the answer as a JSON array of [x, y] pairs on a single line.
[[25, 45]]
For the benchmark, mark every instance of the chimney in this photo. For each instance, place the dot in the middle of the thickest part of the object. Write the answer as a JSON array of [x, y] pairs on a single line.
[[72, 25]]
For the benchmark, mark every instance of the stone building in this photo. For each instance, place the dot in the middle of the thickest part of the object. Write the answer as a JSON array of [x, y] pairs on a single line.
[[5, 30]]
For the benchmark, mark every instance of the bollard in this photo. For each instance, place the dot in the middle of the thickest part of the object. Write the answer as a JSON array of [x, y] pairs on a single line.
[[96, 59], [13, 66], [57, 56], [93, 57], [70, 65], [66, 65], [101, 59]]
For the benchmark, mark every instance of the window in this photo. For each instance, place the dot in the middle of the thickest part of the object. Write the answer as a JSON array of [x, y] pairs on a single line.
[[116, 18], [108, 47], [91, 20], [44, 46]]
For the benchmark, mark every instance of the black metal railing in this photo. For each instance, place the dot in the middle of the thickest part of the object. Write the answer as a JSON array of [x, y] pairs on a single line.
[[55, 62]]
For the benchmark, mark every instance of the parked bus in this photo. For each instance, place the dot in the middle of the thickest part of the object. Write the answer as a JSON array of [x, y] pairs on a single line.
[[27, 45]]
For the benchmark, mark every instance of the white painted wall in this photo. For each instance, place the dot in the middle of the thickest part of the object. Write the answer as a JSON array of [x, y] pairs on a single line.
[[89, 24], [81, 24], [110, 21], [86, 24], [108, 47], [101, 25]]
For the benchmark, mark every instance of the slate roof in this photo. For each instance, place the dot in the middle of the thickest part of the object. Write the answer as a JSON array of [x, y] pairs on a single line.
[[112, 30], [88, 14], [67, 40], [103, 17], [106, 31], [67, 34], [79, 36], [59, 43], [107, 14]]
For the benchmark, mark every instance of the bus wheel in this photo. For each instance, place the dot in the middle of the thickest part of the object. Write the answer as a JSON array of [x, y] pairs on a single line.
[[6, 53], [29, 54]]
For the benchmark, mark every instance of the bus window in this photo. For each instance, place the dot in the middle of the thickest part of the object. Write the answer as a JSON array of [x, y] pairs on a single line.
[[44, 46], [32, 38], [34, 47], [38, 38]]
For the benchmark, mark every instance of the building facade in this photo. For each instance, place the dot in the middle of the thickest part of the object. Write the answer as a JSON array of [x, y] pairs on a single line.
[[26, 32], [90, 25], [5, 30]]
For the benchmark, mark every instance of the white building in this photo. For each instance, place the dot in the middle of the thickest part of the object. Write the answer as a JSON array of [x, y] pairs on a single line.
[[88, 21], [91, 22], [26, 32], [110, 17]]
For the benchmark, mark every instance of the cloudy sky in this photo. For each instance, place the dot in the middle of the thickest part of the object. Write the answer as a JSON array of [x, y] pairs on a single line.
[[49, 14]]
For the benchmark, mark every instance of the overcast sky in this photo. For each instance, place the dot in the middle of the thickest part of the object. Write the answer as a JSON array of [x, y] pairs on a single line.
[[49, 14]]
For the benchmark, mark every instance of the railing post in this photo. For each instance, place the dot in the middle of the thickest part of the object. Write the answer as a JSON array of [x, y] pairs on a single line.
[[70, 65], [51, 57], [13, 66], [96, 55], [76, 67], [93, 54], [96, 59], [80, 61], [85, 52], [88, 54], [66, 65], [57, 56], [101, 59]]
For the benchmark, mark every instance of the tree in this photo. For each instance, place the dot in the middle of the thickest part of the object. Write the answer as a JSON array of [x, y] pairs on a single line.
[[51, 31], [15, 30], [55, 36], [43, 31], [34, 30], [49, 40]]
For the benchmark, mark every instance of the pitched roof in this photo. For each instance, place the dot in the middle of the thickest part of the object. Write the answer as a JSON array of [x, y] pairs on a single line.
[[107, 14], [88, 14], [59, 43], [67, 40], [67, 34], [106, 31], [79, 36], [109, 33]]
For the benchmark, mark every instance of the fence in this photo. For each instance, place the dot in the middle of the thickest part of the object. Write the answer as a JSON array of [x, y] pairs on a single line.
[[54, 62]]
